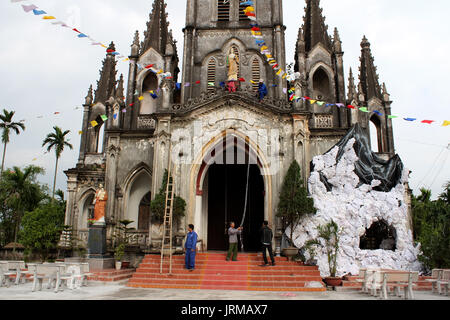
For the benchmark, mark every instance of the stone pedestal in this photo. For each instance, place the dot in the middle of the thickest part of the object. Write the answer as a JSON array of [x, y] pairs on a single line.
[[97, 250], [97, 241]]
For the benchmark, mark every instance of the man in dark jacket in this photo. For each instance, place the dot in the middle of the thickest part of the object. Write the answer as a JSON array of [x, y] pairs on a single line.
[[190, 247], [266, 241]]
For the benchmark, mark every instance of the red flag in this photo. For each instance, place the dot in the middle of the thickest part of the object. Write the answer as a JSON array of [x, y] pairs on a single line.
[[197, 82], [351, 107], [307, 98], [57, 112], [131, 104], [110, 50], [428, 121], [241, 79], [256, 29], [149, 66], [74, 29]]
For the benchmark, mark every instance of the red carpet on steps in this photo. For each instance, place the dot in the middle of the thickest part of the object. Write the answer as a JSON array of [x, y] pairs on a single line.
[[213, 272]]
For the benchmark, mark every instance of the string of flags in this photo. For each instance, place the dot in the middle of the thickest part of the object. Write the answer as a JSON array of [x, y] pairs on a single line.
[[45, 16], [293, 97]]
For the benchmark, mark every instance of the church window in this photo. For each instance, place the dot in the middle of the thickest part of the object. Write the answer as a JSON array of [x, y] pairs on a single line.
[[242, 15], [223, 10], [256, 73], [379, 236], [211, 73], [321, 85], [375, 134], [148, 105]]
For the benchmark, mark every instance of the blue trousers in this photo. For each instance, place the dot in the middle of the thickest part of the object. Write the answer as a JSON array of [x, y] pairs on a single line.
[[190, 259]]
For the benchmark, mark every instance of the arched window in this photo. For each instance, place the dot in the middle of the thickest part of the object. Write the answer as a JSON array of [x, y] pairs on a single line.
[[223, 10], [148, 105], [321, 85], [256, 73], [375, 134], [144, 213], [211, 73], [379, 236]]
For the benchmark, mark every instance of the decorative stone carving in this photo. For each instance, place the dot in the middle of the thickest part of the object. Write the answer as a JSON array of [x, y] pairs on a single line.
[[323, 121], [146, 122]]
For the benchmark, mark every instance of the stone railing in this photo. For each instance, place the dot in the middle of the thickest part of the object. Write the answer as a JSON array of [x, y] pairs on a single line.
[[138, 238], [146, 122], [83, 236]]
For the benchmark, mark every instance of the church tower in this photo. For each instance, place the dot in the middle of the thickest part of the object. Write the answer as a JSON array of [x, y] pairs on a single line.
[[214, 28], [156, 52], [376, 99], [319, 60]]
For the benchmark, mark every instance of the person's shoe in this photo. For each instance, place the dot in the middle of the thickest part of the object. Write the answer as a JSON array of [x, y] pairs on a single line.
[[274, 264], [264, 265], [190, 270]]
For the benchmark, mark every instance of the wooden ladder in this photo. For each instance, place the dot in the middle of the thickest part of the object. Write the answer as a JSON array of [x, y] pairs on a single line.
[[166, 243]]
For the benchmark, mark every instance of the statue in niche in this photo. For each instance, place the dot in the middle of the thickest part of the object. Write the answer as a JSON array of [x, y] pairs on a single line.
[[100, 204], [233, 71]]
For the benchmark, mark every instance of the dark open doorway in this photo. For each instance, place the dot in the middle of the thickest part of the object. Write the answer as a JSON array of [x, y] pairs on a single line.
[[226, 200]]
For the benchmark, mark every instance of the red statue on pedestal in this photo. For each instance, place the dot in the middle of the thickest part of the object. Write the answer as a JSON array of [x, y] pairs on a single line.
[[99, 203]]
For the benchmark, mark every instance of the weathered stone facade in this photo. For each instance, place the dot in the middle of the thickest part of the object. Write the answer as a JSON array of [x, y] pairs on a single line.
[[193, 121]]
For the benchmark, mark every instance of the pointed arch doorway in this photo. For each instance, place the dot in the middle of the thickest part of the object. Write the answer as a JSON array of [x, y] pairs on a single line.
[[222, 188]]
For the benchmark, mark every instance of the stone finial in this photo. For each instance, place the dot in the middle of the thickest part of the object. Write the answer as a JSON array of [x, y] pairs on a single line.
[[120, 89], [352, 95], [337, 43], [111, 47], [365, 43], [89, 98]]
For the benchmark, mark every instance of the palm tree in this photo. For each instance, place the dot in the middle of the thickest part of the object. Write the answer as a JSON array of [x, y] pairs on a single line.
[[6, 124], [57, 140]]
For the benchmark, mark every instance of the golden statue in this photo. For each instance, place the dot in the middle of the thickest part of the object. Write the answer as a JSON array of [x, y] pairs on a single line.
[[233, 66], [100, 204]]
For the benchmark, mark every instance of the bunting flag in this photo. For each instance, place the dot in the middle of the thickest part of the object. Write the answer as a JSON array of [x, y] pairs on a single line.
[[94, 123], [104, 117], [446, 123]]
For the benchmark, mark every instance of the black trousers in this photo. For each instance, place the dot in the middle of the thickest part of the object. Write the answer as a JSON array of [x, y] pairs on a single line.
[[267, 248]]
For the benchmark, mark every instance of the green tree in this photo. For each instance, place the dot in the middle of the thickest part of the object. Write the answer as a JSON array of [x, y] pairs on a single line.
[[20, 193], [42, 229], [56, 140], [431, 223], [7, 125], [294, 201], [158, 205]]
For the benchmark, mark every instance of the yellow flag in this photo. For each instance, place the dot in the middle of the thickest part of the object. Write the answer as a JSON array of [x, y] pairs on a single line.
[[279, 72], [94, 123], [48, 18], [80, 132], [446, 123], [141, 98], [313, 101]]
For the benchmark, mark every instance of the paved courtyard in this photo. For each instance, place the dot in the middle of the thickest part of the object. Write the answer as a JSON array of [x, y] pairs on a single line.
[[99, 291]]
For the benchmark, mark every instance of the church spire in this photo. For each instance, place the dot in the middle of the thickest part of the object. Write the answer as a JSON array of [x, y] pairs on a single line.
[[368, 73], [106, 84], [352, 94], [314, 28], [157, 34], [120, 89]]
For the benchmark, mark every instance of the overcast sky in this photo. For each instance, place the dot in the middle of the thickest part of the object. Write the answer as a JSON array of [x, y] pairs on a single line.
[[46, 68]]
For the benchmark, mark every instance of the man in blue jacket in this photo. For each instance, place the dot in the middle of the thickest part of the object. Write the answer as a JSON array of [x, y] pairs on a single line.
[[262, 90], [190, 247]]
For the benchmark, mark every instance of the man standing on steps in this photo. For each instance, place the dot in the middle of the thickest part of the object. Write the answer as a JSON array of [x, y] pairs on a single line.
[[233, 239], [191, 248], [266, 241]]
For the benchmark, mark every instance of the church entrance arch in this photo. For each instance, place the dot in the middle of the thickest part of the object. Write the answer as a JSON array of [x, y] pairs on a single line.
[[221, 190]]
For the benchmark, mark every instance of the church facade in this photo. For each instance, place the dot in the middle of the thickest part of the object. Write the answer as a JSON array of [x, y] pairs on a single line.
[[228, 150]]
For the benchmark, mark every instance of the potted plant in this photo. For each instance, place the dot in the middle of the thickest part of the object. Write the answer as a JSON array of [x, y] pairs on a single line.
[[328, 239], [118, 255], [294, 204]]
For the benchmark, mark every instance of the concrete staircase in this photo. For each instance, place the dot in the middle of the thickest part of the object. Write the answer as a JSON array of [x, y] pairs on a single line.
[[213, 272], [112, 275]]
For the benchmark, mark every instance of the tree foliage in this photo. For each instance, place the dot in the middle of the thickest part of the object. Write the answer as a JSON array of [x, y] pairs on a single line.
[[431, 223], [41, 229], [7, 125], [158, 205], [294, 201]]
